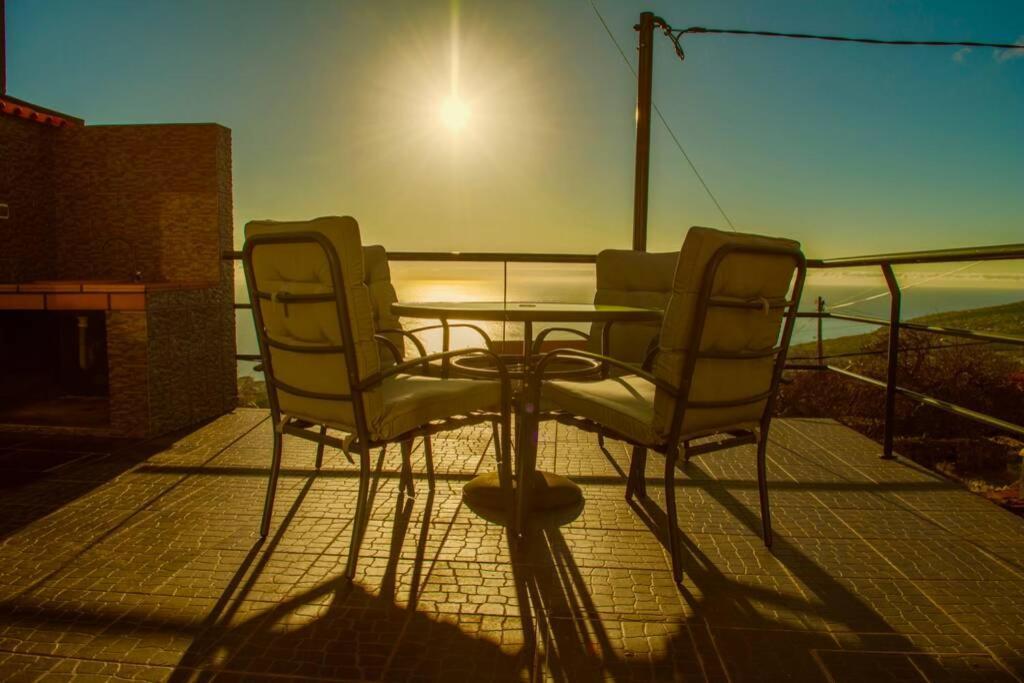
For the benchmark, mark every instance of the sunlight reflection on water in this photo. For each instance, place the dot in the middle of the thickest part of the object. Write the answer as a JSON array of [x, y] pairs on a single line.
[[565, 283]]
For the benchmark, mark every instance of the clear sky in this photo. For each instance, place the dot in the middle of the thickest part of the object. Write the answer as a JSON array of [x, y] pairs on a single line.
[[335, 108]]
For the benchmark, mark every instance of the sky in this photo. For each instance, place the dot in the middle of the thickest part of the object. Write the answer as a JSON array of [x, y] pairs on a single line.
[[335, 108]]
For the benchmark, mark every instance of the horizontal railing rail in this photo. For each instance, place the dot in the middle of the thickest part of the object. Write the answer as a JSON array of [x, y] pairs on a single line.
[[1004, 252], [471, 256], [883, 261]]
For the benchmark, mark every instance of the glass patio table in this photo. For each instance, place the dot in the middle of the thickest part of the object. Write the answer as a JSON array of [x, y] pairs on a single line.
[[549, 490]]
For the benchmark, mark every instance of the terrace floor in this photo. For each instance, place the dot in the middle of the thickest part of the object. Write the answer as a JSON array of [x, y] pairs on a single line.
[[141, 561]]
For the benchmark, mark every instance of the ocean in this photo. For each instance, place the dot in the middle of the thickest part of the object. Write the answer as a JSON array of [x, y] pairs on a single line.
[[575, 283]]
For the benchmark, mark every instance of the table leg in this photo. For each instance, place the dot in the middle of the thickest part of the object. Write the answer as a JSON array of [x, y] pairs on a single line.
[[540, 490], [535, 490]]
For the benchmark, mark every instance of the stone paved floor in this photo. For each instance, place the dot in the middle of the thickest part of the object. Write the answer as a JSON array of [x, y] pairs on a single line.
[[141, 561]]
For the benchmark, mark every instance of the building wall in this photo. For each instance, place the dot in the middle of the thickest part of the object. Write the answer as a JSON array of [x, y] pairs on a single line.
[[191, 358], [158, 187], [77, 194], [128, 360], [28, 237]]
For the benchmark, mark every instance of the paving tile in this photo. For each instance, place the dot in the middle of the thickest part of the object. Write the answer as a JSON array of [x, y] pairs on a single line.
[[941, 559], [142, 561]]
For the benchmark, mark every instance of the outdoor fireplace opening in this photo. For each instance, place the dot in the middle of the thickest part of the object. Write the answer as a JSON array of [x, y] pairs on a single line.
[[54, 365]]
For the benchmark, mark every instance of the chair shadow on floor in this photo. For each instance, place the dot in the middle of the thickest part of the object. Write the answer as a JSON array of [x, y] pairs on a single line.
[[764, 631], [373, 629], [340, 629]]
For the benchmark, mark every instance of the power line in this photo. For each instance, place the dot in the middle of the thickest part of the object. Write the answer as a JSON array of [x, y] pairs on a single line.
[[675, 35], [918, 283], [664, 122]]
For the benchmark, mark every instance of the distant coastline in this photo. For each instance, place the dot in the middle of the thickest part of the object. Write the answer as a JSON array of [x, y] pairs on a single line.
[[1003, 318], [576, 284]]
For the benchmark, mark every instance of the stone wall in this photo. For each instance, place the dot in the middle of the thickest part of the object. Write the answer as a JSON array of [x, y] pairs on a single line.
[[159, 187], [28, 237], [128, 362], [75, 194], [191, 357]]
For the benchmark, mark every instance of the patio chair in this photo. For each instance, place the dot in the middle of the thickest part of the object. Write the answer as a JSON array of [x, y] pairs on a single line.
[[625, 278], [389, 325], [322, 359], [720, 355], [383, 294]]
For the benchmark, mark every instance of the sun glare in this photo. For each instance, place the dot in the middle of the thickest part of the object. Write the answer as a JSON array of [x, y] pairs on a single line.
[[454, 113]]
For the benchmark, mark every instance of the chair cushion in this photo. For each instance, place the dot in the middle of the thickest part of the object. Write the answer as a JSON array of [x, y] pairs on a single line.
[[623, 404], [414, 400], [631, 278], [744, 277], [304, 269], [626, 405], [377, 276], [409, 401]]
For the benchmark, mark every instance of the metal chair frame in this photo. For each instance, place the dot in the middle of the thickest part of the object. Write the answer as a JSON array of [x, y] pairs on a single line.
[[362, 443], [680, 392]]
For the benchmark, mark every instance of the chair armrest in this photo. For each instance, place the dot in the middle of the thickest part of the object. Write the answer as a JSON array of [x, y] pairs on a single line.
[[478, 330], [535, 349], [652, 351], [378, 377], [390, 345], [420, 348], [538, 373]]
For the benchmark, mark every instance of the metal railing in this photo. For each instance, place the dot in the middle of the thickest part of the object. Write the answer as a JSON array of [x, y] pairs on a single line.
[[883, 261], [895, 324]]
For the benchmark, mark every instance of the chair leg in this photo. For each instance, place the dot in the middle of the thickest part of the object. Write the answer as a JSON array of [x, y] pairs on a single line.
[[670, 512], [600, 438], [496, 438], [762, 488], [275, 470], [320, 447], [428, 454], [362, 513], [636, 485], [505, 474], [405, 482]]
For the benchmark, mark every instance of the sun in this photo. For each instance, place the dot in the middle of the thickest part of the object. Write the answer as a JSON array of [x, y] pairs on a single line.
[[454, 113]]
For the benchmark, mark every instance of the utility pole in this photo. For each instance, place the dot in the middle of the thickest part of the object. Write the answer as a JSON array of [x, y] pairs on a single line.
[[644, 79]]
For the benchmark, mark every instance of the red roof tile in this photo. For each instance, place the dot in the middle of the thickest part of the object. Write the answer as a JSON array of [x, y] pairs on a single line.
[[10, 106]]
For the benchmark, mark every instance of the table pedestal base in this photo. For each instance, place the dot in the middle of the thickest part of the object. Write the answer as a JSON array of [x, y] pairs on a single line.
[[549, 492]]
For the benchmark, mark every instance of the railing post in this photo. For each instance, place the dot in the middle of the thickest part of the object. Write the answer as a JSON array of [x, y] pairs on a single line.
[[504, 301], [892, 358], [821, 347], [644, 79]]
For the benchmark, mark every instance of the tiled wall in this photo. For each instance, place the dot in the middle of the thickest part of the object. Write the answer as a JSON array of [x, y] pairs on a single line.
[[191, 358], [157, 187], [167, 190], [27, 238]]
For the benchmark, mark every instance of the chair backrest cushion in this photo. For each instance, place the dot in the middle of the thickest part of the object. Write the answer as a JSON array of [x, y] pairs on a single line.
[[744, 277], [631, 278], [304, 269], [377, 275]]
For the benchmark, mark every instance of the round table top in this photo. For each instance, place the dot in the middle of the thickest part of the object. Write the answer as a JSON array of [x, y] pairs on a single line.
[[524, 311]]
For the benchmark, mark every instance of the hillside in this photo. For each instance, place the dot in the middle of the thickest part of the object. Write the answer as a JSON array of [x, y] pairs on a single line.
[[1005, 319]]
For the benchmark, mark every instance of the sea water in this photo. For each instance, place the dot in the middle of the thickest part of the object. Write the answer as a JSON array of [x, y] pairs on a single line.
[[574, 283]]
